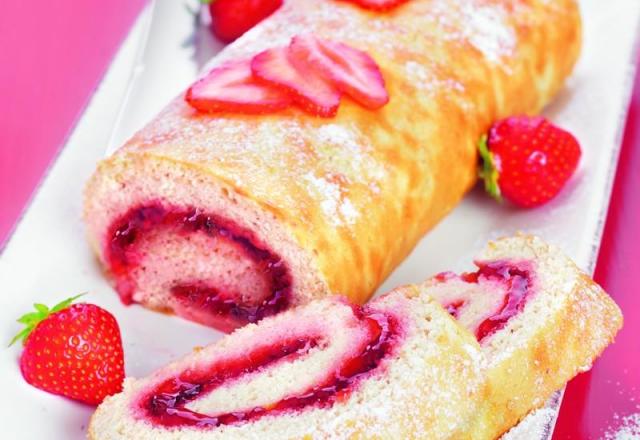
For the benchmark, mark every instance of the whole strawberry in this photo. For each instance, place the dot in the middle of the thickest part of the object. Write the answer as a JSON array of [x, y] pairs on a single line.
[[232, 18], [527, 160], [72, 350]]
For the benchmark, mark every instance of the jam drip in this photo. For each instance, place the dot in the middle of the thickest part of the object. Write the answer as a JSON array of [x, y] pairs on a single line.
[[166, 403], [518, 283], [138, 221], [454, 308]]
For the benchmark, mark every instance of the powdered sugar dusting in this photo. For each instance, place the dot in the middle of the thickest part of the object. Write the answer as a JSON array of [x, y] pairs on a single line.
[[345, 144], [536, 425], [483, 26], [348, 212], [488, 33], [626, 428], [424, 79], [336, 207], [337, 134]]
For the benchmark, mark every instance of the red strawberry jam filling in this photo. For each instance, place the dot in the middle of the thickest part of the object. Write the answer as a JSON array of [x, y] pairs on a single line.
[[454, 308], [166, 403], [517, 281], [137, 222]]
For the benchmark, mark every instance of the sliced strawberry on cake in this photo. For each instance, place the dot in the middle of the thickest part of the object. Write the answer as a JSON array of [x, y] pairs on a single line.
[[308, 90], [351, 71], [232, 88], [178, 239]]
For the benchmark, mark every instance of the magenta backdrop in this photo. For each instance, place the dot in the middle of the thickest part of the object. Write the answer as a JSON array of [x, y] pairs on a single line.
[[597, 402], [54, 53]]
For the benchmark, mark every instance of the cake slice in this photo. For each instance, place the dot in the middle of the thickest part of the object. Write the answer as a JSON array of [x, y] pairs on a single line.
[[399, 367], [539, 319], [528, 320]]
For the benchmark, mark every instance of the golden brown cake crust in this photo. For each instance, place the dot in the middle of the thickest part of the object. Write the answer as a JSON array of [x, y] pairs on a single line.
[[359, 190], [523, 375]]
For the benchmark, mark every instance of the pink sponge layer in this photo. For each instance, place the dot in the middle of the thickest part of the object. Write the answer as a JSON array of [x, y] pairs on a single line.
[[179, 241], [484, 301], [371, 336], [253, 282]]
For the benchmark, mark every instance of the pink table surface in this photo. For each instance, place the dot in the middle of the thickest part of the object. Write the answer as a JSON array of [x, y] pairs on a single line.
[[53, 55], [605, 399]]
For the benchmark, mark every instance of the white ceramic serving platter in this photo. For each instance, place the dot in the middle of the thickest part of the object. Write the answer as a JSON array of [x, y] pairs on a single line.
[[47, 258]]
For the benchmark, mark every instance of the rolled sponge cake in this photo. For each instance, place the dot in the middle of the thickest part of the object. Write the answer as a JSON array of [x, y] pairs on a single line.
[[418, 377], [227, 218], [539, 319], [399, 367]]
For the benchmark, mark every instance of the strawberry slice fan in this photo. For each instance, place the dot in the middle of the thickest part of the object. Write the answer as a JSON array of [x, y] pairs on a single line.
[[399, 367], [287, 172], [310, 73]]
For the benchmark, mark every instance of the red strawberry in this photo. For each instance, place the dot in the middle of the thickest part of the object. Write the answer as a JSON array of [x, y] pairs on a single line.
[[232, 18], [231, 87], [378, 5], [72, 350], [350, 70], [527, 160], [307, 89]]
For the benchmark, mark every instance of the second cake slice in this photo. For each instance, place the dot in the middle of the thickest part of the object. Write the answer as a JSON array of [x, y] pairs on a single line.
[[399, 367]]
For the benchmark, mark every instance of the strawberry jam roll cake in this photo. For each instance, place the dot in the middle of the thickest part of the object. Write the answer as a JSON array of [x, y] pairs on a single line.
[[539, 320], [317, 151], [457, 357], [391, 369]]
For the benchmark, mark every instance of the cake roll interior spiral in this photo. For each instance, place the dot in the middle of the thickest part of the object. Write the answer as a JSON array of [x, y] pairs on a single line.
[[237, 387], [327, 367], [527, 321], [539, 319], [176, 242], [257, 284]]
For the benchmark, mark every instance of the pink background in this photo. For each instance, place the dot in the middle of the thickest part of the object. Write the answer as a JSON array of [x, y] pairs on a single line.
[[52, 56]]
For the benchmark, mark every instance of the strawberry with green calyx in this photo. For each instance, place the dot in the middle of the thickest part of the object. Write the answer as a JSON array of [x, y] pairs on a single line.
[[488, 172], [527, 160], [74, 350]]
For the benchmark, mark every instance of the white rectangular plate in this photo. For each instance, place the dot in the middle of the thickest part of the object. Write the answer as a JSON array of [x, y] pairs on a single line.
[[47, 258]]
